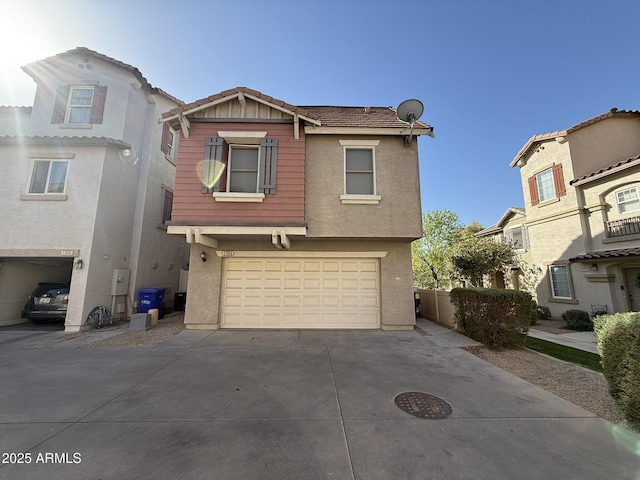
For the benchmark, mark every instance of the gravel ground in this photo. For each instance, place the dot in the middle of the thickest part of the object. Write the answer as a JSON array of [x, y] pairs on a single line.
[[166, 328], [578, 385]]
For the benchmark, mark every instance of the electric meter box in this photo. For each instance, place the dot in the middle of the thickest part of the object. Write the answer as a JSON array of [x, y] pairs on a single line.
[[120, 282]]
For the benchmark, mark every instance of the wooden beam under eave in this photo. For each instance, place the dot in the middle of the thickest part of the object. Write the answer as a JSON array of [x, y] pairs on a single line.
[[184, 125], [202, 239], [296, 126]]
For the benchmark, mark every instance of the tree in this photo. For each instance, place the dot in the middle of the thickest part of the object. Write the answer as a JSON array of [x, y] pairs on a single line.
[[473, 257], [431, 255]]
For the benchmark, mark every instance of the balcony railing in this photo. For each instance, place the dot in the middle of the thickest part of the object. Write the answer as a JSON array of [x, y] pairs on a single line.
[[625, 226]]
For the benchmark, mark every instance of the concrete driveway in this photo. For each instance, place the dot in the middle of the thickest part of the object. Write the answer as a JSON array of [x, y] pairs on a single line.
[[287, 405]]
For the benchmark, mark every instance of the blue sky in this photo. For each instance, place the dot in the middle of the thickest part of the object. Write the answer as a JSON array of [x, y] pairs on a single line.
[[491, 73]]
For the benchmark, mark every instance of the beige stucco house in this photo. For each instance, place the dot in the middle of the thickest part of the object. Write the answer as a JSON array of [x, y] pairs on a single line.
[[581, 190], [297, 216], [86, 186]]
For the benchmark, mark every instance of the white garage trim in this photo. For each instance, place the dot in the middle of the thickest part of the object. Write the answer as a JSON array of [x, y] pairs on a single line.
[[300, 254], [300, 292]]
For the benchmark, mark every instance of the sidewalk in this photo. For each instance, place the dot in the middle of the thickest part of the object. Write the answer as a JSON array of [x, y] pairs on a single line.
[[581, 340]]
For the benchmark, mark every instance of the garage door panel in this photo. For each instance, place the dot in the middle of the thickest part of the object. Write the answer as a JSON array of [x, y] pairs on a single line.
[[300, 293]]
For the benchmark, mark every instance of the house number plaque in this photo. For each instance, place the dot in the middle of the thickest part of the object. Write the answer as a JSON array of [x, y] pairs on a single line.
[[227, 253]]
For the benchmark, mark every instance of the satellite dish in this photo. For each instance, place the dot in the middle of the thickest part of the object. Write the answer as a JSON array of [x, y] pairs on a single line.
[[128, 156], [409, 111]]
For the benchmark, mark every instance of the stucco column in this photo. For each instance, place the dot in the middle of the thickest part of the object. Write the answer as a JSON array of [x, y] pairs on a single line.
[[203, 291]]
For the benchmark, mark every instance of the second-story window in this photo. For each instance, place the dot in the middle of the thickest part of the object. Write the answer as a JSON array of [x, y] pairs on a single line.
[[243, 169], [358, 172], [518, 237], [48, 176], [544, 181], [628, 200], [547, 185], [79, 106]]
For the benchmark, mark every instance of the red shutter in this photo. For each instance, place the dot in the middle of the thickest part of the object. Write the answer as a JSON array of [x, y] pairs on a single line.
[[558, 180], [533, 191], [60, 107], [97, 108], [164, 143]]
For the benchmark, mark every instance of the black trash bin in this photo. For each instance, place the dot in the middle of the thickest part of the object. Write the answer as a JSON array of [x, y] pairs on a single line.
[[179, 301]]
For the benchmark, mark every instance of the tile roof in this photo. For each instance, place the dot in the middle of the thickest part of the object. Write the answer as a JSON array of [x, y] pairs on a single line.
[[614, 112], [130, 68], [498, 227], [23, 109], [616, 167], [606, 254], [330, 116], [383, 117], [47, 140]]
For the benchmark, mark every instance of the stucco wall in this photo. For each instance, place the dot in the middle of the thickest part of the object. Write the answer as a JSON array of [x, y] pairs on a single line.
[[604, 143], [397, 182]]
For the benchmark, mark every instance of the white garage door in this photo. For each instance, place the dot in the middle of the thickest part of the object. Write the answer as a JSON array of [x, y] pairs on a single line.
[[300, 293]]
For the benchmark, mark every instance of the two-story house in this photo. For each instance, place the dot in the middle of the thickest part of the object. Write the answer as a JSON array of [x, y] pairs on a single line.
[[582, 214], [87, 185], [297, 216]]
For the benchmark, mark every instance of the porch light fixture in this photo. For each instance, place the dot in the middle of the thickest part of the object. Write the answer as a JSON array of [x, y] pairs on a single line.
[[203, 256], [77, 264]]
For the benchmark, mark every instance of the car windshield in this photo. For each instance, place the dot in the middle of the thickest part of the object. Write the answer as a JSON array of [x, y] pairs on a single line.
[[51, 289]]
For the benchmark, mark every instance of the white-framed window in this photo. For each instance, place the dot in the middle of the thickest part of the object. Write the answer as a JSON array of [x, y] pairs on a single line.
[[48, 176], [518, 237], [242, 174], [80, 104], [560, 284], [628, 200], [546, 187], [360, 171], [170, 143]]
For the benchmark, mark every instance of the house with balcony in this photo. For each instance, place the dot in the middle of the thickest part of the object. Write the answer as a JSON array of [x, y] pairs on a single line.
[[87, 184], [581, 189], [296, 216]]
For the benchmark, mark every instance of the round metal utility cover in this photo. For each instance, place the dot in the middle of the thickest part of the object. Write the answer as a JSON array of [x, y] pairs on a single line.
[[423, 405]]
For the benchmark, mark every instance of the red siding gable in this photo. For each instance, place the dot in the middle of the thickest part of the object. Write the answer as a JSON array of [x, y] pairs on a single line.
[[286, 206]]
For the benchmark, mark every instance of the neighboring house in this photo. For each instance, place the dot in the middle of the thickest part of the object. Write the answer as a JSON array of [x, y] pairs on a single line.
[[511, 228], [582, 201], [297, 217], [87, 187]]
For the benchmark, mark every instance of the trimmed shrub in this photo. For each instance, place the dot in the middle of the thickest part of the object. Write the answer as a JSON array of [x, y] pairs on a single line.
[[618, 337], [578, 320], [495, 317], [544, 313]]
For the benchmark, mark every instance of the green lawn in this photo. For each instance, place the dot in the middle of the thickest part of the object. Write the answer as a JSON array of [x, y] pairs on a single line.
[[568, 354]]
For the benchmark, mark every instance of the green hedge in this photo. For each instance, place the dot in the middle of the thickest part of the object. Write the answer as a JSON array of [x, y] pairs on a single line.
[[544, 313], [495, 317], [618, 337], [578, 320]]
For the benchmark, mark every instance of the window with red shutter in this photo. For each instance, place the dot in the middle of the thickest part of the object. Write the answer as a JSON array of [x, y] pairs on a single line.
[[533, 191], [558, 180]]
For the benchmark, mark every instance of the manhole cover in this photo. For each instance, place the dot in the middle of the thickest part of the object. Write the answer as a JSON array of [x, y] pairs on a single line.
[[423, 405]]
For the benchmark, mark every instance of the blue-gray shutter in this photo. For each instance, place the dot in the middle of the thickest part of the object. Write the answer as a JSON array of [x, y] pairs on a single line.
[[267, 165], [525, 236], [212, 153]]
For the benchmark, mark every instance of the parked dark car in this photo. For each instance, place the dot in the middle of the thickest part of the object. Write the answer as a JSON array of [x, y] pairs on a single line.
[[47, 302]]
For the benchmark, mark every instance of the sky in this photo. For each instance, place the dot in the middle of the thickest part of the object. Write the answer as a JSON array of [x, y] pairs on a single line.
[[490, 73]]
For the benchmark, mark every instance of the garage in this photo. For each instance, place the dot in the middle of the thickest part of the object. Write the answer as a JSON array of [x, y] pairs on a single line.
[[300, 293], [19, 276]]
